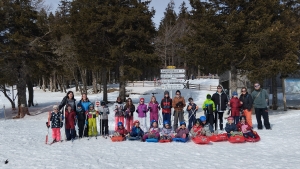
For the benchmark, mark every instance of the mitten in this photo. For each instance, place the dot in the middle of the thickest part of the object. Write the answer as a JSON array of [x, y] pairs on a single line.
[[158, 106], [61, 124], [86, 122], [94, 115], [62, 117], [101, 113]]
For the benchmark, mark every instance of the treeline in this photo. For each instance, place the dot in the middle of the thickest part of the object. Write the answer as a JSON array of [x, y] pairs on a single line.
[[89, 42]]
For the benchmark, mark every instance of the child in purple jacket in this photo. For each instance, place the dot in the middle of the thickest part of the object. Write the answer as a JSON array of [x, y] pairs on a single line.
[[154, 108], [153, 131], [142, 110], [182, 131]]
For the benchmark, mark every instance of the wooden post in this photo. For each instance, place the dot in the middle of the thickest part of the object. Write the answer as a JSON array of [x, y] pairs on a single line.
[[284, 95]]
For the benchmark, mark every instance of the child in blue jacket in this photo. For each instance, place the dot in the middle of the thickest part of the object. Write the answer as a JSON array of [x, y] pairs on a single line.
[[231, 128], [136, 131]]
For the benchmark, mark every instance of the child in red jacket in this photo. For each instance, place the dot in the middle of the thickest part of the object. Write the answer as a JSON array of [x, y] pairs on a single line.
[[196, 129], [121, 131], [245, 128], [235, 105], [70, 117]]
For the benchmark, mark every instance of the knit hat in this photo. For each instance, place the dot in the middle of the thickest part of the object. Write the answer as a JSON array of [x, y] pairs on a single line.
[[166, 92], [79, 105], [178, 91], [142, 99], [208, 96], [55, 107], [230, 118], [136, 122], [234, 93], [243, 118]]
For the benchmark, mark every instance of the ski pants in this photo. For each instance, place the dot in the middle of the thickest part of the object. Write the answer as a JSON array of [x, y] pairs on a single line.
[[92, 127], [210, 119], [81, 133], [178, 115], [248, 115], [262, 112], [219, 115], [104, 126], [56, 134], [192, 120], [143, 123], [70, 134], [153, 116], [249, 134], [236, 119], [129, 123], [167, 117], [118, 119]]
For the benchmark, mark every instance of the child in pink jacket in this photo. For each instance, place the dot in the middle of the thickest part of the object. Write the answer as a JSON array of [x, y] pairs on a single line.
[[153, 131], [154, 108]]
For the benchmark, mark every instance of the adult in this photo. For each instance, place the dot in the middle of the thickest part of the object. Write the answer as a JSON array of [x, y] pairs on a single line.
[[166, 105], [68, 99], [129, 109], [178, 103], [220, 99], [260, 98], [247, 102], [85, 102]]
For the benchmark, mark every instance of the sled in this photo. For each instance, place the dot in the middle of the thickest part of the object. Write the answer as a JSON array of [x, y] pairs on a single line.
[[152, 140], [218, 137], [165, 140], [134, 138], [183, 140], [256, 139], [236, 139], [201, 140], [117, 138]]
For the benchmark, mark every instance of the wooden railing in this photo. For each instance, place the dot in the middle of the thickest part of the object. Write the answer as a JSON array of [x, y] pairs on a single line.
[[202, 87]]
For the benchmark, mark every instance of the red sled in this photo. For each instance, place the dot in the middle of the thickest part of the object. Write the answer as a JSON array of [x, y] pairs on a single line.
[[256, 139], [165, 141], [201, 140], [236, 139], [218, 137], [117, 138]]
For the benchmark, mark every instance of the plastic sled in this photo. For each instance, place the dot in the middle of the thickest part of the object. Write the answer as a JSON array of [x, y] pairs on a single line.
[[117, 138], [134, 138], [183, 140], [165, 140], [152, 140], [256, 139], [201, 140], [219, 137], [236, 139]]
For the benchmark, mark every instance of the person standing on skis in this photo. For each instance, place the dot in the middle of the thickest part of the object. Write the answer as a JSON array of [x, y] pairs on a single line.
[[192, 108], [104, 112], [55, 118], [178, 103], [91, 121], [81, 117], [166, 105], [70, 117], [221, 100]]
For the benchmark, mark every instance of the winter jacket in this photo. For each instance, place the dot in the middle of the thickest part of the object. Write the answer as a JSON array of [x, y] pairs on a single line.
[[118, 109], [128, 110], [180, 132], [153, 107], [81, 116], [70, 119], [153, 130], [142, 110], [92, 114], [166, 105], [55, 119], [136, 131], [207, 127], [220, 100], [230, 127], [207, 104], [85, 104], [165, 131], [103, 111], [235, 106], [196, 130], [178, 103], [259, 101], [66, 101], [122, 131], [247, 101], [244, 127], [193, 108]]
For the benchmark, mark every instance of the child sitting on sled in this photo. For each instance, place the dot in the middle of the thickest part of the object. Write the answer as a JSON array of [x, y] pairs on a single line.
[[153, 131], [207, 129], [197, 128], [245, 128], [166, 131], [121, 131], [182, 131], [136, 130], [231, 127]]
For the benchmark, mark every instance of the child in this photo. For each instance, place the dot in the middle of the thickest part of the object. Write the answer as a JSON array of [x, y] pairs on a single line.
[[121, 131], [182, 131], [209, 107], [197, 128], [142, 110], [207, 129], [129, 108], [154, 108], [166, 132], [91, 121], [81, 117], [104, 112], [55, 117], [166, 105], [70, 116], [192, 108], [231, 127], [245, 128], [119, 114], [235, 107], [136, 130], [153, 131]]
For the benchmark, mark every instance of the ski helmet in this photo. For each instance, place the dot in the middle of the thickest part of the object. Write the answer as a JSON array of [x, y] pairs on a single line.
[[208, 96], [91, 105], [202, 118], [243, 118], [166, 122], [153, 121], [120, 124], [234, 93], [182, 123], [79, 105], [102, 103]]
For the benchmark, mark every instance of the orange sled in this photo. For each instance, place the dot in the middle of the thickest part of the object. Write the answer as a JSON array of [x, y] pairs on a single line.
[[218, 137], [165, 141], [117, 138], [201, 140]]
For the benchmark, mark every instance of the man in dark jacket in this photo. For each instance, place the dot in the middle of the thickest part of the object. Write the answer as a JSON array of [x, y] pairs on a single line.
[[247, 102], [220, 99]]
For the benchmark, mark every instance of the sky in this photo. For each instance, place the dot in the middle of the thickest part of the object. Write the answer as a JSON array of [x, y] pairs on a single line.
[[159, 6]]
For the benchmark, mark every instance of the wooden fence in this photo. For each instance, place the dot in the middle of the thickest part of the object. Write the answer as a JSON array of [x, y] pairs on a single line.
[[202, 87]]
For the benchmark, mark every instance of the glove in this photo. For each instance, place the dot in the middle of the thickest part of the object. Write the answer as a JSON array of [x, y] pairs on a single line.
[[107, 111], [158, 107], [101, 113], [137, 111], [94, 115], [149, 108], [144, 110], [62, 117], [86, 122], [47, 124], [61, 124], [116, 110], [179, 104]]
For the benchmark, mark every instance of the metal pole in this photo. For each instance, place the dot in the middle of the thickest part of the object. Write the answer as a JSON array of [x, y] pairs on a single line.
[[4, 111]]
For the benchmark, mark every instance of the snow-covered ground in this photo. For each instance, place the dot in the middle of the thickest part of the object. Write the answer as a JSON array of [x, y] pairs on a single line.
[[22, 142]]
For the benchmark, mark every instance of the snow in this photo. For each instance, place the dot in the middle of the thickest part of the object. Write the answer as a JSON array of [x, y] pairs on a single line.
[[22, 142]]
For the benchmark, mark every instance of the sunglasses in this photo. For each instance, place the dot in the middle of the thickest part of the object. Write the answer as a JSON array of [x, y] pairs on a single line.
[[243, 90], [141, 101], [219, 88], [256, 85]]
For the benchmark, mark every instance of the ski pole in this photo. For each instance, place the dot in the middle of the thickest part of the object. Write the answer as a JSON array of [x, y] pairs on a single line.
[[101, 121], [65, 122], [46, 142]]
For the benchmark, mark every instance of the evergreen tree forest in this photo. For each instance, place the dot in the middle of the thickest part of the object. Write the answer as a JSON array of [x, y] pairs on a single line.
[[96, 42]]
